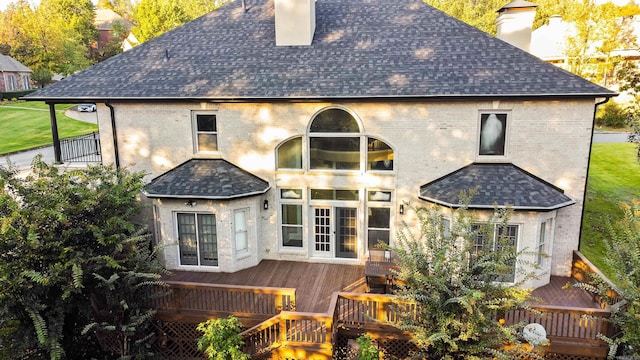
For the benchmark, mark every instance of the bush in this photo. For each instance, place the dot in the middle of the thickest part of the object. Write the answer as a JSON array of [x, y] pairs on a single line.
[[221, 339], [14, 95], [612, 115]]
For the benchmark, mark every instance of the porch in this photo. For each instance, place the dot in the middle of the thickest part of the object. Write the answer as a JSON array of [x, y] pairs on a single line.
[[307, 310]]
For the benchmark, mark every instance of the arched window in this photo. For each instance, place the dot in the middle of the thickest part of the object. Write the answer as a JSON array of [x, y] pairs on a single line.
[[290, 154], [334, 141], [379, 155]]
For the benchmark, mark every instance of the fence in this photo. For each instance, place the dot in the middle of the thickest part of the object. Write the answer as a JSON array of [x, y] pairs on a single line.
[[84, 148]]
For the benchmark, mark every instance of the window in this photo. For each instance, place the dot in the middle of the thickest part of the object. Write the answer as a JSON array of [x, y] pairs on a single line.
[[379, 155], [334, 141], [493, 129], [333, 194], [11, 86], [27, 82], [496, 237], [240, 227], [542, 242], [378, 218], [206, 133], [197, 239], [291, 217], [290, 154]]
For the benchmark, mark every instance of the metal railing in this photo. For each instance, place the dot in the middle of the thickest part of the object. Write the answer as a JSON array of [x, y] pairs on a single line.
[[84, 148]]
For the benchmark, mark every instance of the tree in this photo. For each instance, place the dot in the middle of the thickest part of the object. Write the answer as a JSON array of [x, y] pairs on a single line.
[[481, 14], [221, 339], [42, 76], [60, 234], [155, 17], [452, 280], [56, 35], [623, 256]]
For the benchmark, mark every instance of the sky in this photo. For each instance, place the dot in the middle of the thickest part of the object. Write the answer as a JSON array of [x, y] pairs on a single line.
[[5, 3]]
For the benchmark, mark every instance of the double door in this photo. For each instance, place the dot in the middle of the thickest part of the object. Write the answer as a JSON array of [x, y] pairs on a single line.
[[335, 232]]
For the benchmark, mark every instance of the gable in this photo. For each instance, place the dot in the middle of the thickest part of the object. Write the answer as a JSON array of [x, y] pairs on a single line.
[[360, 49]]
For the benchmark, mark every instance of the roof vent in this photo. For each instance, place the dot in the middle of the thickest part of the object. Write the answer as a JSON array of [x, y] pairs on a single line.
[[295, 22], [515, 22]]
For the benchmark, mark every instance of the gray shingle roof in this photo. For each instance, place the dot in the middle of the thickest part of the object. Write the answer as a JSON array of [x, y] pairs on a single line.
[[361, 49], [206, 179], [500, 184], [7, 63]]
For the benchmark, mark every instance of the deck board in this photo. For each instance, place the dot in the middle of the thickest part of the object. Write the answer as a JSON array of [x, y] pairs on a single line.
[[315, 283], [557, 293]]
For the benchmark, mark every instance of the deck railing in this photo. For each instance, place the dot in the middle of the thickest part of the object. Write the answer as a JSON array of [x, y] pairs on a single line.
[[291, 330], [214, 300]]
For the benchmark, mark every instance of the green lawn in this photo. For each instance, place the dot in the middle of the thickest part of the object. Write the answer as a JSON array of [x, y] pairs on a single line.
[[22, 129], [614, 177]]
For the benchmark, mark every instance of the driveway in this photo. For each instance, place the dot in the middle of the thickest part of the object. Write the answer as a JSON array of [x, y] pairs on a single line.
[[609, 137], [90, 117]]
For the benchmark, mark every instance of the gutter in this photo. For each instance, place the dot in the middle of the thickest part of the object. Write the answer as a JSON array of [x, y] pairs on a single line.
[[584, 195], [114, 133]]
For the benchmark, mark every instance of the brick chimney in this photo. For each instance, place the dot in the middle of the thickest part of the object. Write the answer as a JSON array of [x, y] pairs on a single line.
[[295, 22], [515, 23]]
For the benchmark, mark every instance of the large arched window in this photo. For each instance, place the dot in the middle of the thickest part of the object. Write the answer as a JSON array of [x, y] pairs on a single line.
[[334, 141]]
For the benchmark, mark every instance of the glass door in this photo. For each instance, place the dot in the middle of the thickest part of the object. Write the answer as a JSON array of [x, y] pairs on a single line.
[[335, 232], [346, 232], [322, 232]]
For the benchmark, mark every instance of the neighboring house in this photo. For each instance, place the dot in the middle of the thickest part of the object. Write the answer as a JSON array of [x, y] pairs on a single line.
[[305, 131], [14, 76], [551, 43], [104, 22]]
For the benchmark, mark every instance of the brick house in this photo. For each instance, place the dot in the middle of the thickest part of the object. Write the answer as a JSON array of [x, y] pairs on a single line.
[[299, 130], [14, 76]]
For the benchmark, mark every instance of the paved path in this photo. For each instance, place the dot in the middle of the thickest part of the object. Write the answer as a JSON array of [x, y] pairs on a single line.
[[609, 137]]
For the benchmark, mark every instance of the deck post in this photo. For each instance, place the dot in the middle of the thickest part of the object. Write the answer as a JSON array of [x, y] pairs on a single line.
[[57, 151]]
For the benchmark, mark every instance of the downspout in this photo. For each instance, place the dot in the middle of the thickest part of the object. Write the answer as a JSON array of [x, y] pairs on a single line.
[[114, 133], [584, 195], [57, 151]]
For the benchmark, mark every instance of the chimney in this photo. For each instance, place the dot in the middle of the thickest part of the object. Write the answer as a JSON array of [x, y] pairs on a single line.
[[295, 22], [515, 22]]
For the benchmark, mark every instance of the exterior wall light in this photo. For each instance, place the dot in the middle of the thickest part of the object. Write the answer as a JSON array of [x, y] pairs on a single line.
[[401, 209], [265, 205]]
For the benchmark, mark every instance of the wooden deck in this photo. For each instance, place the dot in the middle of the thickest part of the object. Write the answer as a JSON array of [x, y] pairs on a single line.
[[314, 283], [557, 293]]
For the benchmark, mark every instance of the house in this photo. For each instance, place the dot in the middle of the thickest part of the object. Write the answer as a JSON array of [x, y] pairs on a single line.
[[306, 131], [552, 42], [14, 76], [105, 21]]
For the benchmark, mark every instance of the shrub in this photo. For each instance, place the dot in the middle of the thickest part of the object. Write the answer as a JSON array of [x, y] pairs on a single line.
[[612, 115]]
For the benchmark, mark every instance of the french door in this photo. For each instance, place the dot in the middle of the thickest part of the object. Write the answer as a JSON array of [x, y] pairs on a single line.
[[335, 232]]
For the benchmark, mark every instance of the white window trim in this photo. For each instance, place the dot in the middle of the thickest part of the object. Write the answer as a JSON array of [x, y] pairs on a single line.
[[195, 132], [301, 202], [379, 204], [177, 238], [507, 131], [241, 253]]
